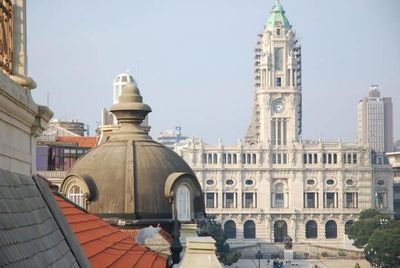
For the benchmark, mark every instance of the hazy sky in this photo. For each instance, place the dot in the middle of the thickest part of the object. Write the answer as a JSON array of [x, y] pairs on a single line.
[[193, 60]]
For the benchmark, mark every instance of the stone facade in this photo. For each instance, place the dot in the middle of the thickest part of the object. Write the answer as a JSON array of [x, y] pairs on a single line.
[[21, 119], [275, 184]]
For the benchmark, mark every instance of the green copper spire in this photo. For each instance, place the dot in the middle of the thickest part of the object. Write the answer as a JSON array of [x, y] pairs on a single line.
[[277, 15]]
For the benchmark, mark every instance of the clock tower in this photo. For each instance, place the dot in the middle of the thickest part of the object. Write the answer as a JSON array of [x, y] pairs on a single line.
[[276, 117]]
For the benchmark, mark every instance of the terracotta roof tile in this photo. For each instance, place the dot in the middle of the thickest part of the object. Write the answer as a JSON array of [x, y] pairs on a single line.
[[86, 142], [105, 245]]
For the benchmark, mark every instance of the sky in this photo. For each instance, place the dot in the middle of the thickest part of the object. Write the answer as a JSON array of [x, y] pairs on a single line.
[[193, 60]]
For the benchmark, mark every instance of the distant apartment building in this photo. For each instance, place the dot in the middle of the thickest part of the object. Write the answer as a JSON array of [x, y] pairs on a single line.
[[170, 138], [375, 121], [59, 146]]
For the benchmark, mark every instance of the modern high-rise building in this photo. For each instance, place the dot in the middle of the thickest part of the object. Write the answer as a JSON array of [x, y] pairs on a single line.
[[274, 184], [109, 122], [375, 121]]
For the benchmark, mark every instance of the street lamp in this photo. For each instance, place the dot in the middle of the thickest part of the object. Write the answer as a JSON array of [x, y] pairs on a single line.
[[259, 257]]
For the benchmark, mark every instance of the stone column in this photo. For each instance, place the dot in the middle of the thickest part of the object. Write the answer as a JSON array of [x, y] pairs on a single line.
[[19, 58], [187, 230], [200, 252]]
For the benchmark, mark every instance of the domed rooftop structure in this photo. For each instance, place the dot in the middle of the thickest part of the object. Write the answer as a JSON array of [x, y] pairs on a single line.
[[277, 18], [132, 179]]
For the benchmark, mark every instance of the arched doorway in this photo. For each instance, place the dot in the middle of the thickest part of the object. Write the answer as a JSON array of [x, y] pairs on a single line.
[[249, 229], [280, 231], [330, 229], [311, 229]]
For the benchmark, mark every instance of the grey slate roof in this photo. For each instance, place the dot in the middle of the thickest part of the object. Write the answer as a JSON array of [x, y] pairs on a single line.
[[33, 231]]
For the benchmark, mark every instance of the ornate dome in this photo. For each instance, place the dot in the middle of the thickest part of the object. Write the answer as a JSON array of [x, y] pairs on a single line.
[[277, 18], [132, 178]]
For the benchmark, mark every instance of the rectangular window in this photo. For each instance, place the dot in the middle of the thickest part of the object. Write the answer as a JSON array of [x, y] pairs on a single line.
[[249, 200], [211, 200], [354, 158], [279, 132], [278, 199], [284, 156], [310, 200], [284, 132], [315, 159], [278, 82], [278, 58], [273, 132], [351, 200], [330, 200], [229, 200]]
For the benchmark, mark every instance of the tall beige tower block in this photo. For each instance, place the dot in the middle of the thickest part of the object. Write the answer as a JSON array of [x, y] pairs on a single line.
[[375, 121]]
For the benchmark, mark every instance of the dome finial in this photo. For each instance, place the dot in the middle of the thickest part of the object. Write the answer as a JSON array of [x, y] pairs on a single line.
[[130, 111]]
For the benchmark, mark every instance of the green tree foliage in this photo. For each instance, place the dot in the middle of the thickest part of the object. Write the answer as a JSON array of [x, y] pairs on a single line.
[[379, 236], [225, 254], [383, 247], [369, 213], [362, 229]]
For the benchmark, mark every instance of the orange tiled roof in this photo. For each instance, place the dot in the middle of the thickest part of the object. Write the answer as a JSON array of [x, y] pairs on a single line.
[[105, 245], [86, 142]]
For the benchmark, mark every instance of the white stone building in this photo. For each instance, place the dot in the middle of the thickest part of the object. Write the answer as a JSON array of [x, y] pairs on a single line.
[[275, 184]]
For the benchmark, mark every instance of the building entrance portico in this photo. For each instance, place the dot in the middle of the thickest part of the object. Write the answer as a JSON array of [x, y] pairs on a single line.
[[280, 231]]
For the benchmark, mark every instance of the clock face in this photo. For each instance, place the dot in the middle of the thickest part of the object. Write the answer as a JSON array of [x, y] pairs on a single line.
[[278, 106]]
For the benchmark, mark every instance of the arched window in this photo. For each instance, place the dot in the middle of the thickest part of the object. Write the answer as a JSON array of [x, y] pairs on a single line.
[[249, 229], [75, 194], [330, 229], [311, 229], [230, 229], [347, 226], [183, 202]]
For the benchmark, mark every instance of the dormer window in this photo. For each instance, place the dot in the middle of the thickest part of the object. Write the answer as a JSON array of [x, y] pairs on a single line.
[[183, 203], [278, 31]]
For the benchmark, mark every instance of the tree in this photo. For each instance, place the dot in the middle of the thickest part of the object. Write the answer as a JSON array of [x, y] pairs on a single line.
[[224, 253], [379, 235], [362, 229], [383, 247]]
